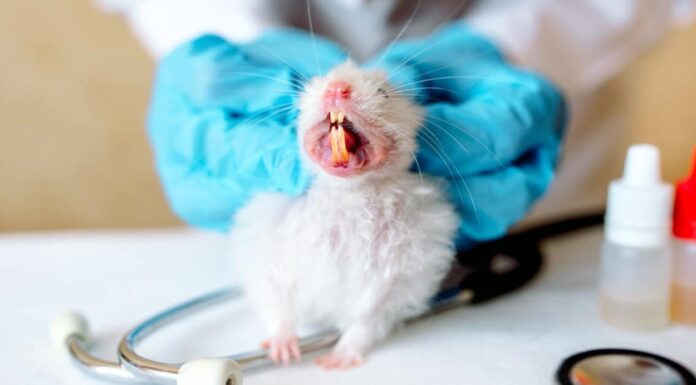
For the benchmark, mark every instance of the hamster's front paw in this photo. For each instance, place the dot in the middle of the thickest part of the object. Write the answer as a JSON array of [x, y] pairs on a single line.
[[339, 359], [281, 347]]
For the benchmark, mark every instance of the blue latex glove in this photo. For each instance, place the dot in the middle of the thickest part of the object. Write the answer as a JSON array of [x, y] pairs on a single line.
[[492, 130], [221, 122]]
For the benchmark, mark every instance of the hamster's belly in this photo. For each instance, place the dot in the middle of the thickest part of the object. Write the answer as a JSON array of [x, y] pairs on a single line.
[[282, 243], [329, 260], [330, 279]]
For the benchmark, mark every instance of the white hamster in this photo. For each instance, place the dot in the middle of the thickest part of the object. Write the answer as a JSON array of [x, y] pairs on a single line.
[[368, 244]]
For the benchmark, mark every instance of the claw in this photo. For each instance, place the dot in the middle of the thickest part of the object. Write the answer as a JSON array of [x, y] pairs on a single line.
[[336, 360], [282, 348]]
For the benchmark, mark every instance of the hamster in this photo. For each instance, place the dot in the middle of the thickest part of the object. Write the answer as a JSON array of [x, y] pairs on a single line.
[[368, 244]]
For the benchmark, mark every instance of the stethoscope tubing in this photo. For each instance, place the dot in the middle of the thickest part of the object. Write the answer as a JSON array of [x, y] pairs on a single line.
[[132, 367], [135, 368]]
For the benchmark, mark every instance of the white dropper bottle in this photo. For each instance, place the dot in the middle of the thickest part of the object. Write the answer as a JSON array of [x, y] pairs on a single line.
[[636, 260]]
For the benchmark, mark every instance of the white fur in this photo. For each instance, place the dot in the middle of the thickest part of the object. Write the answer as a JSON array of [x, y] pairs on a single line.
[[358, 254]]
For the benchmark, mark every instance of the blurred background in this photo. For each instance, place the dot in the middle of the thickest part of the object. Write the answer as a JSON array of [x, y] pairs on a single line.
[[73, 146]]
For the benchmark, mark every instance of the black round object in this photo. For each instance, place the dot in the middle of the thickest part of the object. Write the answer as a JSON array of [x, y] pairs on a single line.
[[563, 375]]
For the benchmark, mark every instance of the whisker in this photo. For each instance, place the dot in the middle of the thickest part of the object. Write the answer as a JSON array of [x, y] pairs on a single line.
[[472, 136], [470, 77], [311, 31], [430, 139], [403, 62], [447, 162], [410, 93], [403, 30], [426, 128], [255, 119], [294, 69], [454, 138], [422, 75], [415, 159], [294, 85], [264, 115]]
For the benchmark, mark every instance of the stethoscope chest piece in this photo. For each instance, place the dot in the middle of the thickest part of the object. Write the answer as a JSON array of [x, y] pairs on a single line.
[[622, 367]]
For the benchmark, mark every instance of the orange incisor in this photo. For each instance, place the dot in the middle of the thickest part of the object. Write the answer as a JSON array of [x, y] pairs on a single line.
[[339, 151]]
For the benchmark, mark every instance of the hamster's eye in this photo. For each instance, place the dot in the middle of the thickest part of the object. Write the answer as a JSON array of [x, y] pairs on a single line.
[[383, 92]]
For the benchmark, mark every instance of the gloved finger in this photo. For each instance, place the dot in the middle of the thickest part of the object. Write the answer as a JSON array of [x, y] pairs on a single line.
[[211, 162], [212, 72], [503, 117], [442, 66], [489, 203], [209, 188], [269, 71], [303, 53]]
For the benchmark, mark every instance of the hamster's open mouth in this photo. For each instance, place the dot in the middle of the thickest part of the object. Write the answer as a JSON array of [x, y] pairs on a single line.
[[340, 148], [343, 139]]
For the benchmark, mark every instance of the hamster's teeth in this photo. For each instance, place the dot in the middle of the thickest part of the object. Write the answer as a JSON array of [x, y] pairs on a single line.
[[342, 144], [336, 116], [334, 144]]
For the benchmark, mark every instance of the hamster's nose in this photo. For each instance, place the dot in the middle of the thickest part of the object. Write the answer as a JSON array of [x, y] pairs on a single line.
[[338, 89]]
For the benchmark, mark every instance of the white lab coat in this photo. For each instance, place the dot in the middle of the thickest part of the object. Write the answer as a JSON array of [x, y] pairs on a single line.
[[579, 44]]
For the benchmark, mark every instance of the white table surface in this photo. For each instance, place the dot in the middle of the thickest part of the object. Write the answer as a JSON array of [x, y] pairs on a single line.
[[118, 278]]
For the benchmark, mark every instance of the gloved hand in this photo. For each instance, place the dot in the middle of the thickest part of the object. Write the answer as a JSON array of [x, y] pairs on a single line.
[[491, 130], [222, 125]]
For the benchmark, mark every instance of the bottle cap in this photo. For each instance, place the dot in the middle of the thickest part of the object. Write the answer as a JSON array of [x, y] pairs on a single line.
[[685, 206], [639, 205]]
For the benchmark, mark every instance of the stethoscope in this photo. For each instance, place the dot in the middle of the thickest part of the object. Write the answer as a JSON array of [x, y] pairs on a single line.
[[483, 273]]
